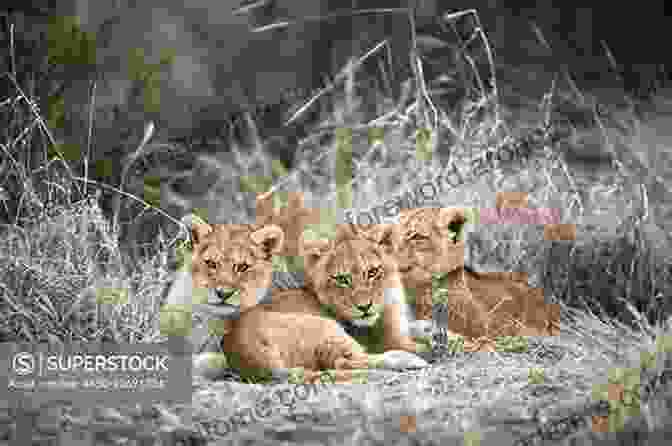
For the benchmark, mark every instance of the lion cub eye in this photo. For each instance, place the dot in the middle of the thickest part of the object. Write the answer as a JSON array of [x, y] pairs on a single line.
[[211, 264], [415, 237], [342, 280], [240, 267], [374, 273]]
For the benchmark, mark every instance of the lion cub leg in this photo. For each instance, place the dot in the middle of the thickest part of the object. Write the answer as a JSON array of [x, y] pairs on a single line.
[[396, 325], [266, 343], [465, 315]]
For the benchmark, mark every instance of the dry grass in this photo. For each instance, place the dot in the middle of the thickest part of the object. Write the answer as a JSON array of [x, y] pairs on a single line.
[[60, 253]]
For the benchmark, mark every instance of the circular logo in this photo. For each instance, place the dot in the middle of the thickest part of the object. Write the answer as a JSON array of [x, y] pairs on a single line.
[[23, 363]]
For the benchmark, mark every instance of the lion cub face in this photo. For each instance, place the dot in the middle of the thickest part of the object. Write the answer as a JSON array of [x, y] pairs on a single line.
[[430, 243], [234, 263], [350, 276]]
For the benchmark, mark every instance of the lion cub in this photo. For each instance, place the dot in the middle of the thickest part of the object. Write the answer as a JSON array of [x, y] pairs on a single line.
[[430, 249], [229, 271], [356, 279]]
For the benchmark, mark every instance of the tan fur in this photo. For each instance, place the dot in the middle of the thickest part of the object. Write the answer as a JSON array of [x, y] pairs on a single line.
[[560, 232], [223, 258], [291, 218], [235, 257], [511, 200], [480, 304], [271, 340], [424, 248], [515, 308], [367, 256], [466, 315]]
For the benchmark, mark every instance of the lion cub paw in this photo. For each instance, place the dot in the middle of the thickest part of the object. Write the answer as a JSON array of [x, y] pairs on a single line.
[[397, 360], [421, 328]]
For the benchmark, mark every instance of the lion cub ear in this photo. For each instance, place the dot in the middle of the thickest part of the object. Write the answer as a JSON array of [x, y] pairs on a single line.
[[387, 237], [199, 231], [265, 209], [271, 238], [451, 220], [198, 227]]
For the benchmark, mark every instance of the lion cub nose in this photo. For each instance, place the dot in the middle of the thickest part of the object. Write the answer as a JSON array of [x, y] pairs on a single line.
[[456, 227], [364, 308], [225, 293]]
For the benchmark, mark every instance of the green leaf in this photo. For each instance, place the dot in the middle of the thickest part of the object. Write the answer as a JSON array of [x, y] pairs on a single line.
[[376, 135], [631, 379], [216, 327], [183, 255], [360, 376], [472, 438], [175, 320], [343, 280], [136, 64], [423, 344], [616, 375], [167, 56], [600, 392], [199, 216], [217, 361], [55, 111], [411, 295], [103, 168], [200, 295], [664, 344], [513, 344], [112, 296], [441, 296], [67, 44], [294, 263], [152, 190], [617, 419], [256, 184], [376, 361], [328, 311], [647, 360], [344, 165], [296, 375], [455, 344], [69, 152], [423, 145], [328, 377], [278, 169], [536, 375], [151, 92]]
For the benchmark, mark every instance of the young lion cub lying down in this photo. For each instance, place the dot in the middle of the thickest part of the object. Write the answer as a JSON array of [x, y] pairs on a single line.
[[355, 280], [430, 249], [231, 272]]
